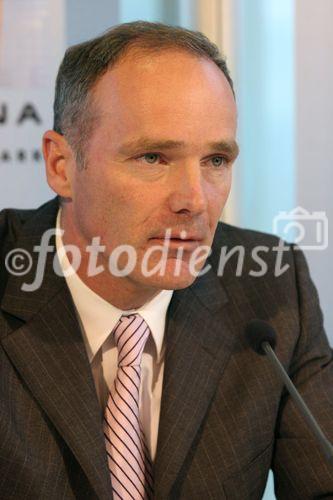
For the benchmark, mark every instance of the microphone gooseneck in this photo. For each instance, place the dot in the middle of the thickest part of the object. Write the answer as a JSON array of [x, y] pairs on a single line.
[[262, 338]]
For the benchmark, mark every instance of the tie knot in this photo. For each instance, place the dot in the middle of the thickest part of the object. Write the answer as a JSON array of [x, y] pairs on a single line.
[[130, 334]]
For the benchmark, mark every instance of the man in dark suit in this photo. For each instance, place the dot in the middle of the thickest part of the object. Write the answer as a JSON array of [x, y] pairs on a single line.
[[143, 144]]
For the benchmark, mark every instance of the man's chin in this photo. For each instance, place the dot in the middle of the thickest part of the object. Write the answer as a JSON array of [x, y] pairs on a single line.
[[177, 275]]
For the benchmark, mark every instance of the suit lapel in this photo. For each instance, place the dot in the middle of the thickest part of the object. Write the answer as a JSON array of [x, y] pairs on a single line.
[[198, 346], [49, 353]]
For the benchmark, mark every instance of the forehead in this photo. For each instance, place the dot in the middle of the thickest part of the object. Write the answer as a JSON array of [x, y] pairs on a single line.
[[169, 87]]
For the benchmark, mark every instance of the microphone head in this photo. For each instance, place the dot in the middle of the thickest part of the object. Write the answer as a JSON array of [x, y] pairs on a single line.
[[258, 331]]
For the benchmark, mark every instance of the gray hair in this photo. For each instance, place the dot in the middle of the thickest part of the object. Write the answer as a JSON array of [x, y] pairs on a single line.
[[84, 64]]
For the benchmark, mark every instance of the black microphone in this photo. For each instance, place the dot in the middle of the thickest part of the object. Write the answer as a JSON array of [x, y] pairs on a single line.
[[261, 337]]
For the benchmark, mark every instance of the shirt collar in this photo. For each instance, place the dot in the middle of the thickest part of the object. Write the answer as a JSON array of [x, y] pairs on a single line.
[[98, 317]]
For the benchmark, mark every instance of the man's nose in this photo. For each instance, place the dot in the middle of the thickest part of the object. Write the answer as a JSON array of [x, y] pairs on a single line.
[[188, 193]]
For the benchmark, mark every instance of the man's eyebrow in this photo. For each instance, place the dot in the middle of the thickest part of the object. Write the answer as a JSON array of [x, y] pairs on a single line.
[[150, 144], [229, 147]]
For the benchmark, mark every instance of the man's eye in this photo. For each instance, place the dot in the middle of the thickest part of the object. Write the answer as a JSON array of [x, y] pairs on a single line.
[[218, 161], [150, 158]]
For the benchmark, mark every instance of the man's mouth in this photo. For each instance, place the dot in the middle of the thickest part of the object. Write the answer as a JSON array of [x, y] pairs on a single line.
[[182, 239], [181, 235]]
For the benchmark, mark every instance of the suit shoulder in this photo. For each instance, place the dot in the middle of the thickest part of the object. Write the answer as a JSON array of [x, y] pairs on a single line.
[[12, 220], [230, 236], [249, 254]]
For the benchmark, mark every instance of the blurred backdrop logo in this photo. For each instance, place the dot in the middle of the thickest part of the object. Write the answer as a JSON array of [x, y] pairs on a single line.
[[32, 43]]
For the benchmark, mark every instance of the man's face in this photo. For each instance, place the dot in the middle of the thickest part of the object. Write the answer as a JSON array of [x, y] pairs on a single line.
[[159, 158]]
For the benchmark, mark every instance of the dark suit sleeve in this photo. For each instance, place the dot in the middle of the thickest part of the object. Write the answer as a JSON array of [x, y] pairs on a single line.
[[300, 469]]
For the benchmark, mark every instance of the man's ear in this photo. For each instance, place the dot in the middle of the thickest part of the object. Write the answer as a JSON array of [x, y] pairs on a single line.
[[59, 163]]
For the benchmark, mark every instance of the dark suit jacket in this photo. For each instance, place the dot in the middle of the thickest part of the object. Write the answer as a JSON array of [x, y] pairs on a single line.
[[225, 417]]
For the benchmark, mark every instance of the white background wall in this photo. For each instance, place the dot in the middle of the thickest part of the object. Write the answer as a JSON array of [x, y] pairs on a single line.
[[32, 42], [314, 131], [281, 54]]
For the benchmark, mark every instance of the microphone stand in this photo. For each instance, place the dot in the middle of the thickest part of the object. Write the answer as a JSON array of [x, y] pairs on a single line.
[[325, 444]]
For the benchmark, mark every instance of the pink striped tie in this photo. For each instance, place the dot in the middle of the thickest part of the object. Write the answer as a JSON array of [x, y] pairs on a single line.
[[128, 456]]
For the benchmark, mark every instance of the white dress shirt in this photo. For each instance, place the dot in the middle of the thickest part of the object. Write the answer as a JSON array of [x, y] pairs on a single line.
[[97, 318]]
